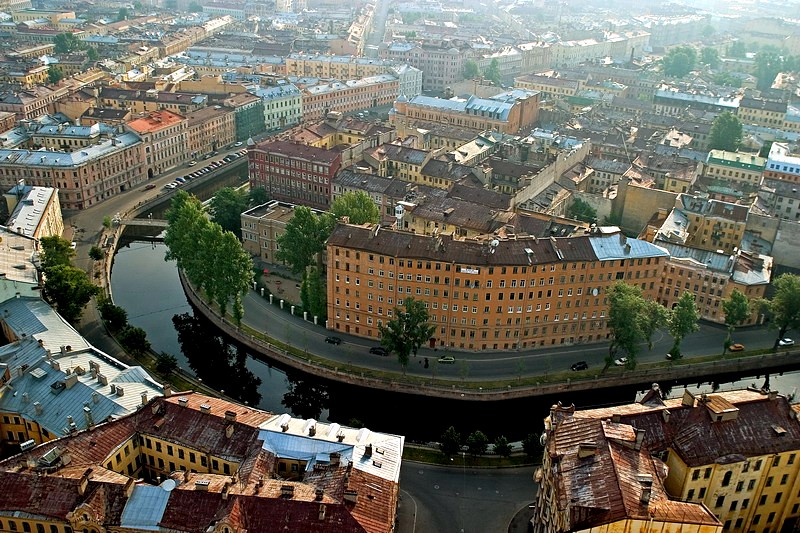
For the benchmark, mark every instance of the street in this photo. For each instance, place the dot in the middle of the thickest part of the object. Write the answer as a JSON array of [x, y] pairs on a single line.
[[461, 500]]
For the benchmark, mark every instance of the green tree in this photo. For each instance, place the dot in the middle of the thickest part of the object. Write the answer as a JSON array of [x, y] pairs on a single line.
[[581, 210], [357, 206], [784, 307], [303, 241], [96, 253], [683, 320], [766, 148], [653, 317], [477, 442], [122, 14], [737, 309], [55, 251], [502, 447], [492, 73], [531, 445], [407, 330], [134, 339], [69, 290], [92, 54], [726, 133], [107, 222], [258, 196], [54, 74], [313, 294], [450, 442], [115, 317], [709, 56], [166, 363], [738, 49], [625, 305], [768, 63], [708, 31], [680, 61], [66, 43], [727, 79], [226, 208], [471, 70]]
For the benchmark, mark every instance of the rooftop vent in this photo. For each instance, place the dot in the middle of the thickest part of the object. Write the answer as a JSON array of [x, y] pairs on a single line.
[[287, 491], [205, 408], [201, 484]]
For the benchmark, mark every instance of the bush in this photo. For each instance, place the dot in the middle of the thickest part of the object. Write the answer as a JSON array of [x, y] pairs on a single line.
[[166, 363], [116, 318], [134, 340], [502, 447], [96, 253], [450, 442]]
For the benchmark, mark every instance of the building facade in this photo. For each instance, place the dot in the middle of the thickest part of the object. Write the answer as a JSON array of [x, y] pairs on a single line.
[[283, 105], [208, 130], [248, 115], [485, 293], [349, 96], [164, 135]]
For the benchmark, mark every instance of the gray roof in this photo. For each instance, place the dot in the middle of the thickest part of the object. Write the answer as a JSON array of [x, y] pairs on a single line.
[[615, 247]]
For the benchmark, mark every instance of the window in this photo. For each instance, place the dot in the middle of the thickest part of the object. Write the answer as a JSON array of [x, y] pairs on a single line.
[[739, 486], [695, 474], [720, 501], [726, 479], [707, 473], [690, 494], [776, 461]]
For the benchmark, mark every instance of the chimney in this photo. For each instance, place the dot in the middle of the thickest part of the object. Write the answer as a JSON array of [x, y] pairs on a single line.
[[102, 380], [144, 397], [183, 402], [167, 390], [351, 496], [205, 408], [95, 398], [229, 430], [368, 450], [646, 481], [83, 484], [225, 489], [55, 365], [25, 397], [71, 380], [639, 439], [230, 416], [665, 414], [688, 399], [287, 491], [321, 512], [38, 407], [87, 413], [318, 494], [335, 458]]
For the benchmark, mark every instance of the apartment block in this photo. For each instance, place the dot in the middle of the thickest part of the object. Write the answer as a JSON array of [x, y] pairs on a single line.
[[191, 462], [782, 164], [292, 172], [249, 115], [208, 130], [597, 475], [152, 100], [331, 66], [767, 113], [349, 96], [488, 293], [261, 227], [164, 135], [283, 105], [35, 211], [755, 487], [740, 171], [441, 63]]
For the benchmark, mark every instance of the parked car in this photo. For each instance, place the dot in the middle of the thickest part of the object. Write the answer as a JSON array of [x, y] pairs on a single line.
[[622, 361], [580, 365], [379, 350], [73, 245], [786, 341], [180, 180], [149, 186], [446, 360], [333, 340], [169, 186], [192, 163], [237, 143], [736, 347]]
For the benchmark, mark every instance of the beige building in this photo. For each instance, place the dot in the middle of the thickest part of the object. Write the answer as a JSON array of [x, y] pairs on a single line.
[[35, 211], [706, 224], [164, 135], [209, 129], [261, 227]]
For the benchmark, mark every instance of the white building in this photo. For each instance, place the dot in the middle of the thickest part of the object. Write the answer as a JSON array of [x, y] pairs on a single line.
[[283, 105], [410, 80]]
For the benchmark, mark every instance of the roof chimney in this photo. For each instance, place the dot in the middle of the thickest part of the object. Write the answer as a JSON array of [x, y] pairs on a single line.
[[639, 439], [646, 481]]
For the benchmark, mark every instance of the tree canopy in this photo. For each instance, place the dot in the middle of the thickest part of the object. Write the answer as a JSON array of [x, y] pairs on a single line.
[[226, 208], [492, 73], [625, 304], [66, 43], [357, 206], [683, 320], [66, 287], [303, 241], [784, 307], [407, 331], [726, 133], [737, 309], [768, 63], [471, 70], [450, 442], [680, 61], [709, 56], [581, 210], [54, 74], [211, 258], [313, 294]]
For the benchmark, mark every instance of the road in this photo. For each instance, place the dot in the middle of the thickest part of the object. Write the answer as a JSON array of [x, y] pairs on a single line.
[[483, 365], [461, 500], [378, 28]]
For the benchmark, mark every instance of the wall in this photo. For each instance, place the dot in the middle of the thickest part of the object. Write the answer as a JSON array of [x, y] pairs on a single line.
[[637, 204], [550, 173], [600, 203]]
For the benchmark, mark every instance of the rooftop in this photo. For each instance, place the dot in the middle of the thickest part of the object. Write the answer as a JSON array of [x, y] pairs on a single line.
[[29, 211]]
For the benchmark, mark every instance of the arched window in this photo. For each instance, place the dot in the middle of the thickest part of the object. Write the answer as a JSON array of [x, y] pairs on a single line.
[[726, 479]]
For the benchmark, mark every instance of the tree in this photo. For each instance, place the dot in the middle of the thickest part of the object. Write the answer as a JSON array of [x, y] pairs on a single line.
[[581, 210], [92, 54], [768, 63], [683, 320], [450, 442], [625, 305], [492, 73], [107, 222], [122, 14], [784, 307], [737, 309], [471, 70], [766, 148], [653, 317], [55, 251], [258, 196], [726, 133], [680, 61], [115, 317], [502, 447], [407, 330], [54, 74], [226, 208], [69, 290], [727, 79], [66, 42], [477, 442], [166, 363], [134, 340], [313, 294], [531, 445], [303, 241], [708, 31], [357, 206], [96, 253], [709, 56], [737, 49]]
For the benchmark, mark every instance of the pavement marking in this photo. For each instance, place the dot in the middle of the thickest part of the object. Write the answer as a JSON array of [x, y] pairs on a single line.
[[414, 525]]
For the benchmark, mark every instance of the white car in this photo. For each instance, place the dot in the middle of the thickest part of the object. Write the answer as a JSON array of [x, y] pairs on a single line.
[[169, 186], [622, 361], [786, 341]]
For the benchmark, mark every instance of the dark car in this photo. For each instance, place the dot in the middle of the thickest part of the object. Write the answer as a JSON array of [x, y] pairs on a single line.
[[333, 340], [149, 186], [379, 350], [580, 365]]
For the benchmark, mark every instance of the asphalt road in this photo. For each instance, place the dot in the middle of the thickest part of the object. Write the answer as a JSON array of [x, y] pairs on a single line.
[[483, 365], [461, 500]]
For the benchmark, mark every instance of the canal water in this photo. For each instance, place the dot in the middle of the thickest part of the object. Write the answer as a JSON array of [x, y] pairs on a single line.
[[147, 287]]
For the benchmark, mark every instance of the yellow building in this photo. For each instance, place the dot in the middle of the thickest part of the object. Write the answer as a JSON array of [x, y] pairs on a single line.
[[336, 67], [706, 224], [767, 113], [739, 170], [597, 476], [398, 161], [735, 453]]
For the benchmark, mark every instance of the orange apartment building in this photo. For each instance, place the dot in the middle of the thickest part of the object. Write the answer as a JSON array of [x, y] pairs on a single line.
[[164, 135], [349, 96], [497, 294], [208, 129]]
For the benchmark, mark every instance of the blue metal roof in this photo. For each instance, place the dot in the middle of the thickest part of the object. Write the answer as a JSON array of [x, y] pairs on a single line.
[[611, 247], [145, 508], [298, 447]]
